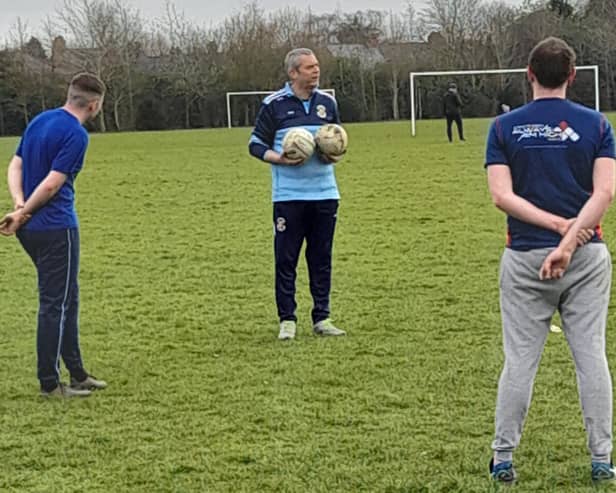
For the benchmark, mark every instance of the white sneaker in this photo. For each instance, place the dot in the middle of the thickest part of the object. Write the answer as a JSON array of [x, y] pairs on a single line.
[[327, 328], [63, 391], [90, 383], [287, 330]]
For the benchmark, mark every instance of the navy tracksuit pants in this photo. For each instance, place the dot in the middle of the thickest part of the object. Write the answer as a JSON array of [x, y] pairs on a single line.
[[55, 255], [294, 221], [458, 119]]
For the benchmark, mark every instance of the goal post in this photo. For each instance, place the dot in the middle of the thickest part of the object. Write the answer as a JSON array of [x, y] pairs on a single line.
[[413, 75], [256, 93]]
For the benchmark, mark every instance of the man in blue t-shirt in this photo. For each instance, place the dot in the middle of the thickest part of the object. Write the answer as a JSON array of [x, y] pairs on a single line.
[[41, 179], [305, 195], [551, 169]]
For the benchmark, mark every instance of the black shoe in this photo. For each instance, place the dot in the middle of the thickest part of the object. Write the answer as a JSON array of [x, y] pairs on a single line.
[[503, 472], [603, 472]]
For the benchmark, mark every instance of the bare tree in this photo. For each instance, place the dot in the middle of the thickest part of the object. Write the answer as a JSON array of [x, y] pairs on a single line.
[[105, 36], [461, 23], [183, 65]]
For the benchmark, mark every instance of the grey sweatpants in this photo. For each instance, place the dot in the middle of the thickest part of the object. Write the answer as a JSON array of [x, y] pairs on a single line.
[[527, 305]]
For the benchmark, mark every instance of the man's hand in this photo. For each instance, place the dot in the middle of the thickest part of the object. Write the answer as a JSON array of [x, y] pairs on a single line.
[[326, 158], [282, 159], [285, 160], [555, 264], [583, 236], [564, 225], [11, 222]]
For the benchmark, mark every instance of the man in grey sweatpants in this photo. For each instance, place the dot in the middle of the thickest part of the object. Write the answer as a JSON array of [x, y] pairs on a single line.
[[551, 169]]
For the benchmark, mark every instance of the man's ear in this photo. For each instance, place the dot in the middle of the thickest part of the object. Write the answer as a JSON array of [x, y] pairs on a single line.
[[571, 77]]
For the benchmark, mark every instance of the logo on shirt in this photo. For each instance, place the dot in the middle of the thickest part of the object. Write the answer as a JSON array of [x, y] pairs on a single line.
[[281, 224], [321, 111], [561, 133]]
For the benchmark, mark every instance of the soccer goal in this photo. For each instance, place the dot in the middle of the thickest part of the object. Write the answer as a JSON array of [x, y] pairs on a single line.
[[413, 75], [255, 98]]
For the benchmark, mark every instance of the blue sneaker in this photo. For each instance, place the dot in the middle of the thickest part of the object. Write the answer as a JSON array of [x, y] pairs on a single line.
[[603, 472], [503, 472]]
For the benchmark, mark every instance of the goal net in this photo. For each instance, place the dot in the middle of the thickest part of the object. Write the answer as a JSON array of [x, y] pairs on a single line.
[[486, 93], [242, 106]]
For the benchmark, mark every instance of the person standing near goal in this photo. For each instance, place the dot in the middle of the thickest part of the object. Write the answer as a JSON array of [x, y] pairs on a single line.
[[305, 195], [452, 108], [551, 169]]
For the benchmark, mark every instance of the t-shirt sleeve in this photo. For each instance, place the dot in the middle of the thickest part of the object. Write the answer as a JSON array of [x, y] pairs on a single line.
[[71, 156], [606, 145], [262, 137], [337, 113], [20, 148], [495, 148]]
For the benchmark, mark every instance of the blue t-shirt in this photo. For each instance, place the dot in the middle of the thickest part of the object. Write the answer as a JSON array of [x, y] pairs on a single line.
[[279, 113], [550, 146], [53, 141]]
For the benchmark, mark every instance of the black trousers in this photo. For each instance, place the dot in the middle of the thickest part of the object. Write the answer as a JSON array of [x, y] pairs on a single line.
[[294, 221], [55, 255], [458, 119]]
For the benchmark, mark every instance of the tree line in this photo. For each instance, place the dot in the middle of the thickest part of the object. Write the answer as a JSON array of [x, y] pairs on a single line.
[[172, 73]]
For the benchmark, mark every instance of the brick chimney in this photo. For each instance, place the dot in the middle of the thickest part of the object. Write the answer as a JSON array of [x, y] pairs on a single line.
[[58, 46]]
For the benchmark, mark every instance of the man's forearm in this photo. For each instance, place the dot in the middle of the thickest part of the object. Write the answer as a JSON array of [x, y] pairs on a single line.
[[589, 217], [15, 181], [523, 210], [43, 193], [604, 184]]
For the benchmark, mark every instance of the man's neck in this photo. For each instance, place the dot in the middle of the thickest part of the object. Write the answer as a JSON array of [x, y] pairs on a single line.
[[302, 93], [75, 112], [540, 92]]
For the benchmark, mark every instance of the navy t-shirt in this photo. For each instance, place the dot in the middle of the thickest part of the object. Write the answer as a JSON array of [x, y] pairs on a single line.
[[550, 146], [53, 141]]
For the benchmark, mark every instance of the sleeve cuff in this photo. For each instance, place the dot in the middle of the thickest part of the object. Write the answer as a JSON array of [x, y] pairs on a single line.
[[257, 150]]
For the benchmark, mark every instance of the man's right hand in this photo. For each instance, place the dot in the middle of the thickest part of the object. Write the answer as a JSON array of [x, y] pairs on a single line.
[[564, 225], [285, 160], [280, 158], [583, 236]]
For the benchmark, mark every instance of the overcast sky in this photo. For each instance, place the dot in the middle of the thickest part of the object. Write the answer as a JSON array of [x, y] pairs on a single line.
[[199, 11]]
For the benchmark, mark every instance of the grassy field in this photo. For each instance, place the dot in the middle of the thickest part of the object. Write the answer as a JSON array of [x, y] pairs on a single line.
[[178, 315]]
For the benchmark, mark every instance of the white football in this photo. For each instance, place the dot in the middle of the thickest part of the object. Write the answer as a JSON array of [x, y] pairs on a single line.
[[298, 143], [332, 140]]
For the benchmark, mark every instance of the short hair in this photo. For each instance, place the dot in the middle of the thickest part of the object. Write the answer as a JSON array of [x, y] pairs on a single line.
[[291, 61], [552, 61], [85, 88]]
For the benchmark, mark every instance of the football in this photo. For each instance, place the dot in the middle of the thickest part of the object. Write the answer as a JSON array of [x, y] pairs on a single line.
[[332, 140], [298, 143]]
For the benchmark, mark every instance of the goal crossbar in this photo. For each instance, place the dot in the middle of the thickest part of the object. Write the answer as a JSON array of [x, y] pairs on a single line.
[[412, 75], [256, 93]]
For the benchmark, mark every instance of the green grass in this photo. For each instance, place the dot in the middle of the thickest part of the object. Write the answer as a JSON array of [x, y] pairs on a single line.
[[178, 315]]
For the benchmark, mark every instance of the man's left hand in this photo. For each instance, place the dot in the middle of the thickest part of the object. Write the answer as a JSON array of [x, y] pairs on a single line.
[[327, 159], [555, 264], [11, 222]]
